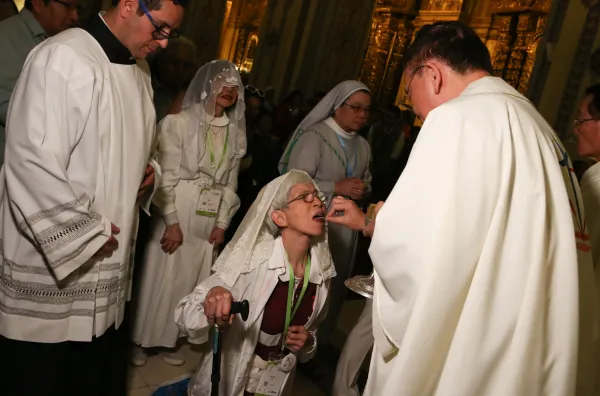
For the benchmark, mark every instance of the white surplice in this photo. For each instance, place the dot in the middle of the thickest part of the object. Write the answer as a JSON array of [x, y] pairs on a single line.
[[484, 283], [79, 135]]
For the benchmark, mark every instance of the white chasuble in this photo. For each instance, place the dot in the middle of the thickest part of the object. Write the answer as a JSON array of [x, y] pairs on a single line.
[[80, 129], [484, 285]]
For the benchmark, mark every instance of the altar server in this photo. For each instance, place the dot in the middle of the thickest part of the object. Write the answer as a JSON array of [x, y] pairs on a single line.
[[79, 135]]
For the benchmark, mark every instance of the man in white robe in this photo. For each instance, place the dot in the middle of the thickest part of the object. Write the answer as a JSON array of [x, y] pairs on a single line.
[[79, 135], [484, 283], [587, 130]]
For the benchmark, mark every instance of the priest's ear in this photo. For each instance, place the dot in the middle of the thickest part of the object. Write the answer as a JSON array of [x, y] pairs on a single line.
[[279, 218], [435, 75]]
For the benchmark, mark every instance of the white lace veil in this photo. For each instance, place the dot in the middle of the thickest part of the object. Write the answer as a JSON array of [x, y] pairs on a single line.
[[200, 99], [254, 239], [323, 110]]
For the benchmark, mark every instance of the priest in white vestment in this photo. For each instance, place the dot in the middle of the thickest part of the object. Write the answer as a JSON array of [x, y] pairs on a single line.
[[79, 134], [484, 282]]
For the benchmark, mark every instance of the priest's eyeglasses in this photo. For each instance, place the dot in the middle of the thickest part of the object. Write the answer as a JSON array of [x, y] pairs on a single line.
[[309, 196], [411, 78], [159, 32], [580, 121]]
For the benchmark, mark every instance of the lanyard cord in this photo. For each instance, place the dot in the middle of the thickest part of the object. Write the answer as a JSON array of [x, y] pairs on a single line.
[[289, 314]]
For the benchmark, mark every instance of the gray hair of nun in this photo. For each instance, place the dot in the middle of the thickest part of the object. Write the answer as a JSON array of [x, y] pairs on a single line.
[[283, 196]]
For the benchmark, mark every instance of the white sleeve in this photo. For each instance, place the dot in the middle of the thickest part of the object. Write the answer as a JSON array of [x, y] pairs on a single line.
[[189, 314], [231, 202], [170, 147], [47, 131]]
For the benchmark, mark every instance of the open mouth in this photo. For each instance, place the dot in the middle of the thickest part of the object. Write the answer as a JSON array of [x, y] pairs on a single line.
[[319, 216], [227, 97]]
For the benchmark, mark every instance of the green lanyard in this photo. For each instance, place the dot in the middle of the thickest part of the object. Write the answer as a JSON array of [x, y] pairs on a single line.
[[209, 145], [289, 314]]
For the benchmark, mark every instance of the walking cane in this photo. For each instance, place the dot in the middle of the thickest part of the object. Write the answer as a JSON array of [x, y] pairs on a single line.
[[242, 308]]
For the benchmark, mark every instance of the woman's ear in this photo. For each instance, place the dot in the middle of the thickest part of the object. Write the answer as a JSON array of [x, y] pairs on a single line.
[[279, 218]]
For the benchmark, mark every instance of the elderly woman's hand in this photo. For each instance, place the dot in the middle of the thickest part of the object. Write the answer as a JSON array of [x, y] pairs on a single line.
[[297, 337], [217, 306]]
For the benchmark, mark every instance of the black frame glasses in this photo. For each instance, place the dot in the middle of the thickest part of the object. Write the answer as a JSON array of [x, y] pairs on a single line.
[[411, 78], [309, 197], [159, 33]]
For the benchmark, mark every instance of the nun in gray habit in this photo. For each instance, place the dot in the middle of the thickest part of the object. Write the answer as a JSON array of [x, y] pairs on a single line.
[[326, 146]]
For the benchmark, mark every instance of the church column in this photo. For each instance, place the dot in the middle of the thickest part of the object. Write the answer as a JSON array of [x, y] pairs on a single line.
[[311, 44], [391, 32], [202, 23]]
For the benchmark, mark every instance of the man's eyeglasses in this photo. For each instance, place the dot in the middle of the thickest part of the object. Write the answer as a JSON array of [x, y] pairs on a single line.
[[309, 196], [159, 32], [357, 109], [580, 121], [410, 79], [255, 91]]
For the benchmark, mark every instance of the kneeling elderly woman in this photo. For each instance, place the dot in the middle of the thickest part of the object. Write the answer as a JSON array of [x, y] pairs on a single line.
[[280, 262]]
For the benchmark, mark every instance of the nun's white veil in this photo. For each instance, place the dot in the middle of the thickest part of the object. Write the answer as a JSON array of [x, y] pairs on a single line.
[[323, 110]]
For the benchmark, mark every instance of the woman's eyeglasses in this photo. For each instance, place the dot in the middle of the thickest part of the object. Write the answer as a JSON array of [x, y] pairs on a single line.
[[159, 32], [357, 109], [309, 196]]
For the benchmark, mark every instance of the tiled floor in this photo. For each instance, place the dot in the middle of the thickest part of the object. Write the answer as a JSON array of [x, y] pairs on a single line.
[[144, 380]]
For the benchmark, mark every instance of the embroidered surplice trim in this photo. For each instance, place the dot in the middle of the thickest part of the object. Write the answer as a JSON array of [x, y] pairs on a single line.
[[53, 212], [93, 290], [62, 232]]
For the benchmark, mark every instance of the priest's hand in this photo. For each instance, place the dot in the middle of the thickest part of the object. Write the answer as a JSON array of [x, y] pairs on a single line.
[[172, 238], [351, 216], [111, 245], [352, 187], [148, 181], [217, 236], [217, 306], [297, 337]]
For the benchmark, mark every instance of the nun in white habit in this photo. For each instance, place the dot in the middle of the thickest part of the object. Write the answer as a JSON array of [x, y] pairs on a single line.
[[326, 146], [200, 151]]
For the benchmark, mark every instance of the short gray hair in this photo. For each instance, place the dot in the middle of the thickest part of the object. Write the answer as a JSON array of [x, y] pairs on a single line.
[[283, 195]]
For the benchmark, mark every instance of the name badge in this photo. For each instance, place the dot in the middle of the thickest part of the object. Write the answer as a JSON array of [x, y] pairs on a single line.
[[271, 381], [208, 202]]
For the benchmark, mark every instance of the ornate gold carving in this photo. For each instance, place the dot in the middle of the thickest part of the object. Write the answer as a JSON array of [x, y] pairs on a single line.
[[443, 5], [521, 26], [517, 6], [381, 72]]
